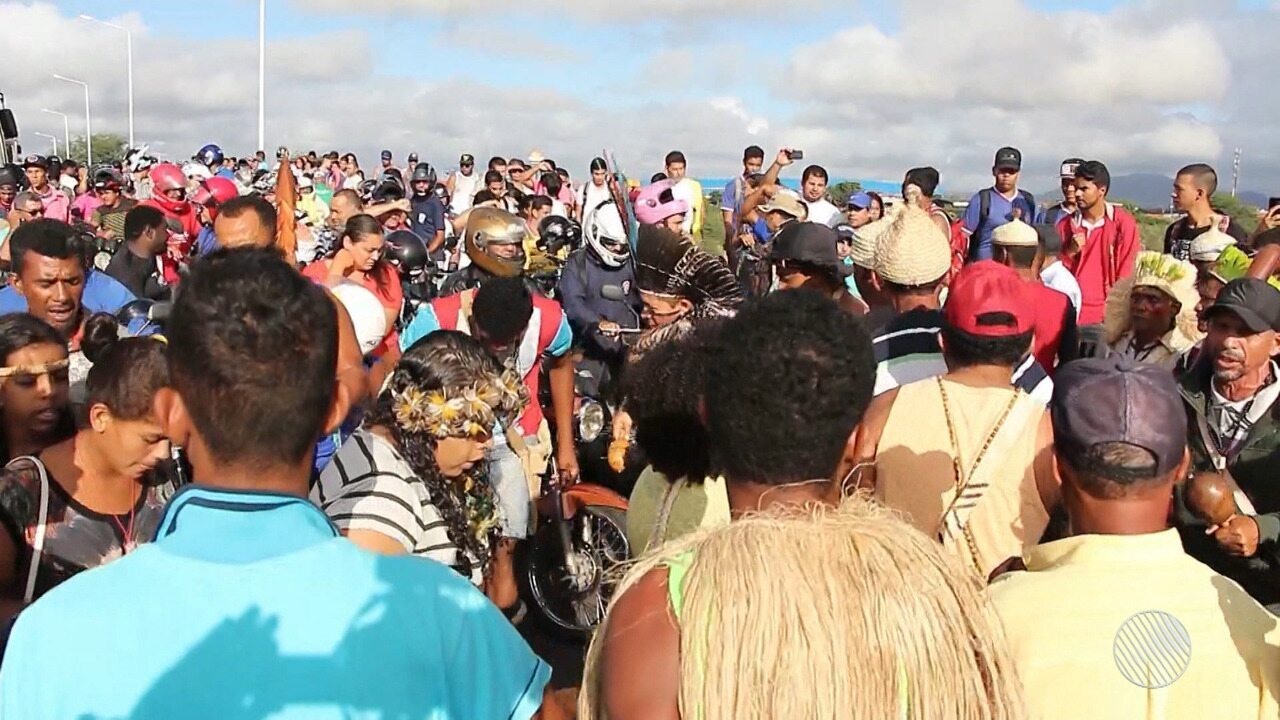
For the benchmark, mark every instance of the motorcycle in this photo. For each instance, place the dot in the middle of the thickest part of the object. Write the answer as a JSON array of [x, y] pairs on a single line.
[[567, 568]]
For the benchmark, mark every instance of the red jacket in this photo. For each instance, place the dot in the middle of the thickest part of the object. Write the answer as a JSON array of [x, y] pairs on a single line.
[[1055, 325], [1099, 257], [183, 229]]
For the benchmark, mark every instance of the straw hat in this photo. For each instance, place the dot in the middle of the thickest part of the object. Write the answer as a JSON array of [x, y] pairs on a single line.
[[865, 241], [1015, 234], [1171, 276], [1210, 244], [912, 251]]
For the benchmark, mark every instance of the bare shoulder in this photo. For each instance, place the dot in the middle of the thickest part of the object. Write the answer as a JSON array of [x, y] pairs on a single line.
[[640, 671], [872, 426]]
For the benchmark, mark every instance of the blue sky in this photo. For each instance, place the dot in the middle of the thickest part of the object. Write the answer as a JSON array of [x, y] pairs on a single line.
[[867, 88]]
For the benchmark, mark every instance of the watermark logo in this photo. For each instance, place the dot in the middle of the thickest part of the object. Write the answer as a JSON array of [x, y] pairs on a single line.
[[1152, 649]]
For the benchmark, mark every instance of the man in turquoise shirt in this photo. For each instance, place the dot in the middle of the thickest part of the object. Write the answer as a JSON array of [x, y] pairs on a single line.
[[249, 604]]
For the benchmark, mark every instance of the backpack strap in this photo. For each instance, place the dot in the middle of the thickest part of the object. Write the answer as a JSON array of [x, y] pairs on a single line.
[[42, 519], [984, 207], [1031, 204]]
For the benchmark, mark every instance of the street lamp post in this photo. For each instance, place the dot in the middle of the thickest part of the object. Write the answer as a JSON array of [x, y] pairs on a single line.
[[66, 127], [128, 40], [88, 120], [262, 74], [54, 138]]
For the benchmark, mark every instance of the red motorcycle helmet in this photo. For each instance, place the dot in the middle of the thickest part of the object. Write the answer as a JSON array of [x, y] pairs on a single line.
[[213, 192], [165, 177]]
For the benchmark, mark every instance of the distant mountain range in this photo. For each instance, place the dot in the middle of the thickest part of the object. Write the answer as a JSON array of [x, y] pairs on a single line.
[[1151, 190]]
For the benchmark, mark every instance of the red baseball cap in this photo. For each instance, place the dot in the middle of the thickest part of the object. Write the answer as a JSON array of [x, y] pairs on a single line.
[[988, 299]]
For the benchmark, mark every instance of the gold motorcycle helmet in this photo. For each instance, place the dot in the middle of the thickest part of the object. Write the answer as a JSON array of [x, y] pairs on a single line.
[[494, 240]]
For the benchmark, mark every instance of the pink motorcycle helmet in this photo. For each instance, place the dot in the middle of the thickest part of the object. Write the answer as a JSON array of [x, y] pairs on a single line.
[[656, 202]]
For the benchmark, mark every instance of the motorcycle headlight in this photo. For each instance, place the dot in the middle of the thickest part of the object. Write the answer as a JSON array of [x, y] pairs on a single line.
[[590, 421]]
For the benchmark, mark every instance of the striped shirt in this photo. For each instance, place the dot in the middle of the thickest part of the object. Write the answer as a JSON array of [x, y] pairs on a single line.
[[369, 486], [908, 350]]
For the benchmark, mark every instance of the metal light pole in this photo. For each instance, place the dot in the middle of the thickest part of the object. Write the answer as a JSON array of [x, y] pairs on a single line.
[[66, 127], [128, 40], [54, 138], [1235, 171], [88, 120], [262, 74]]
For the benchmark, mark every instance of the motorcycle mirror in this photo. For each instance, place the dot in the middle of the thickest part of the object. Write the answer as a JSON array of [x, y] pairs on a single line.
[[613, 292]]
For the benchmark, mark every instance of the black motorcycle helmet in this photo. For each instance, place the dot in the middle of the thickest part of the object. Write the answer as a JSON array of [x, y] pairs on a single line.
[[54, 172], [407, 253], [555, 232], [389, 189], [423, 171], [11, 174], [105, 176], [366, 189]]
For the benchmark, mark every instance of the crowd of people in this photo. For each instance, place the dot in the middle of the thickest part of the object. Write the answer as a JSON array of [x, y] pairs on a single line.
[[273, 435]]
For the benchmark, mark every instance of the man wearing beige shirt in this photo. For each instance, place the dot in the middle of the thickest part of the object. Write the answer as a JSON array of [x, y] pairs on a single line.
[[1116, 621]]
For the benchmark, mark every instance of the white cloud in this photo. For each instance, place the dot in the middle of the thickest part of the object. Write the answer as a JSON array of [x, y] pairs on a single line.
[[596, 11], [956, 80], [1145, 88]]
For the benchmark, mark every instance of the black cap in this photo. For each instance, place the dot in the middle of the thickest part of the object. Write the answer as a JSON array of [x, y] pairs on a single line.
[[413, 156], [1008, 158], [1118, 400], [39, 161], [386, 154], [466, 159], [1254, 301], [812, 244]]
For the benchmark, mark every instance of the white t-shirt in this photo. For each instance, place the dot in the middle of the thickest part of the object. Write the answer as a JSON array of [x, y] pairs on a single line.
[[465, 188], [352, 182], [593, 195], [1058, 277], [369, 486], [824, 213]]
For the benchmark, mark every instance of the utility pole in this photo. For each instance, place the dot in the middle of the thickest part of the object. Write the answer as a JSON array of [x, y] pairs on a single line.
[[1235, 172]]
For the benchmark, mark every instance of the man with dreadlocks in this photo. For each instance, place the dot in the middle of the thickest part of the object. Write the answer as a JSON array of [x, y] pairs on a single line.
[[803, 608]]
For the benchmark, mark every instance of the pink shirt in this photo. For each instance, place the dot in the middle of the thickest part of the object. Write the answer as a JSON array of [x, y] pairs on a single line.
[[86, 204], [57, 205]]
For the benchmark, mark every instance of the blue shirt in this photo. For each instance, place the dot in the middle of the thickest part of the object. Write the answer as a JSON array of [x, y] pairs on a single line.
[[999, 213], [426, 217], [206, 241], [250, 605], [102, 293]]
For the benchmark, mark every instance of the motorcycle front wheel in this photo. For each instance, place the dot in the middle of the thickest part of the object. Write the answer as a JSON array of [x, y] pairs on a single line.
[[570, 598]]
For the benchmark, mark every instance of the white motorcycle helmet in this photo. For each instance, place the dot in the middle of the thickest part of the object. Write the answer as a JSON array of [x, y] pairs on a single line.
[[606, 234], [366, 314]]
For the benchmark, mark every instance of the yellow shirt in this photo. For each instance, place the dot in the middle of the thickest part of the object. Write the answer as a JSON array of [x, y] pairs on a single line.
[[1095, 613]]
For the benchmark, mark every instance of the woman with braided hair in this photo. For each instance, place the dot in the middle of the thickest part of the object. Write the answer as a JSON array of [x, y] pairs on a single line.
[[412, 479]]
